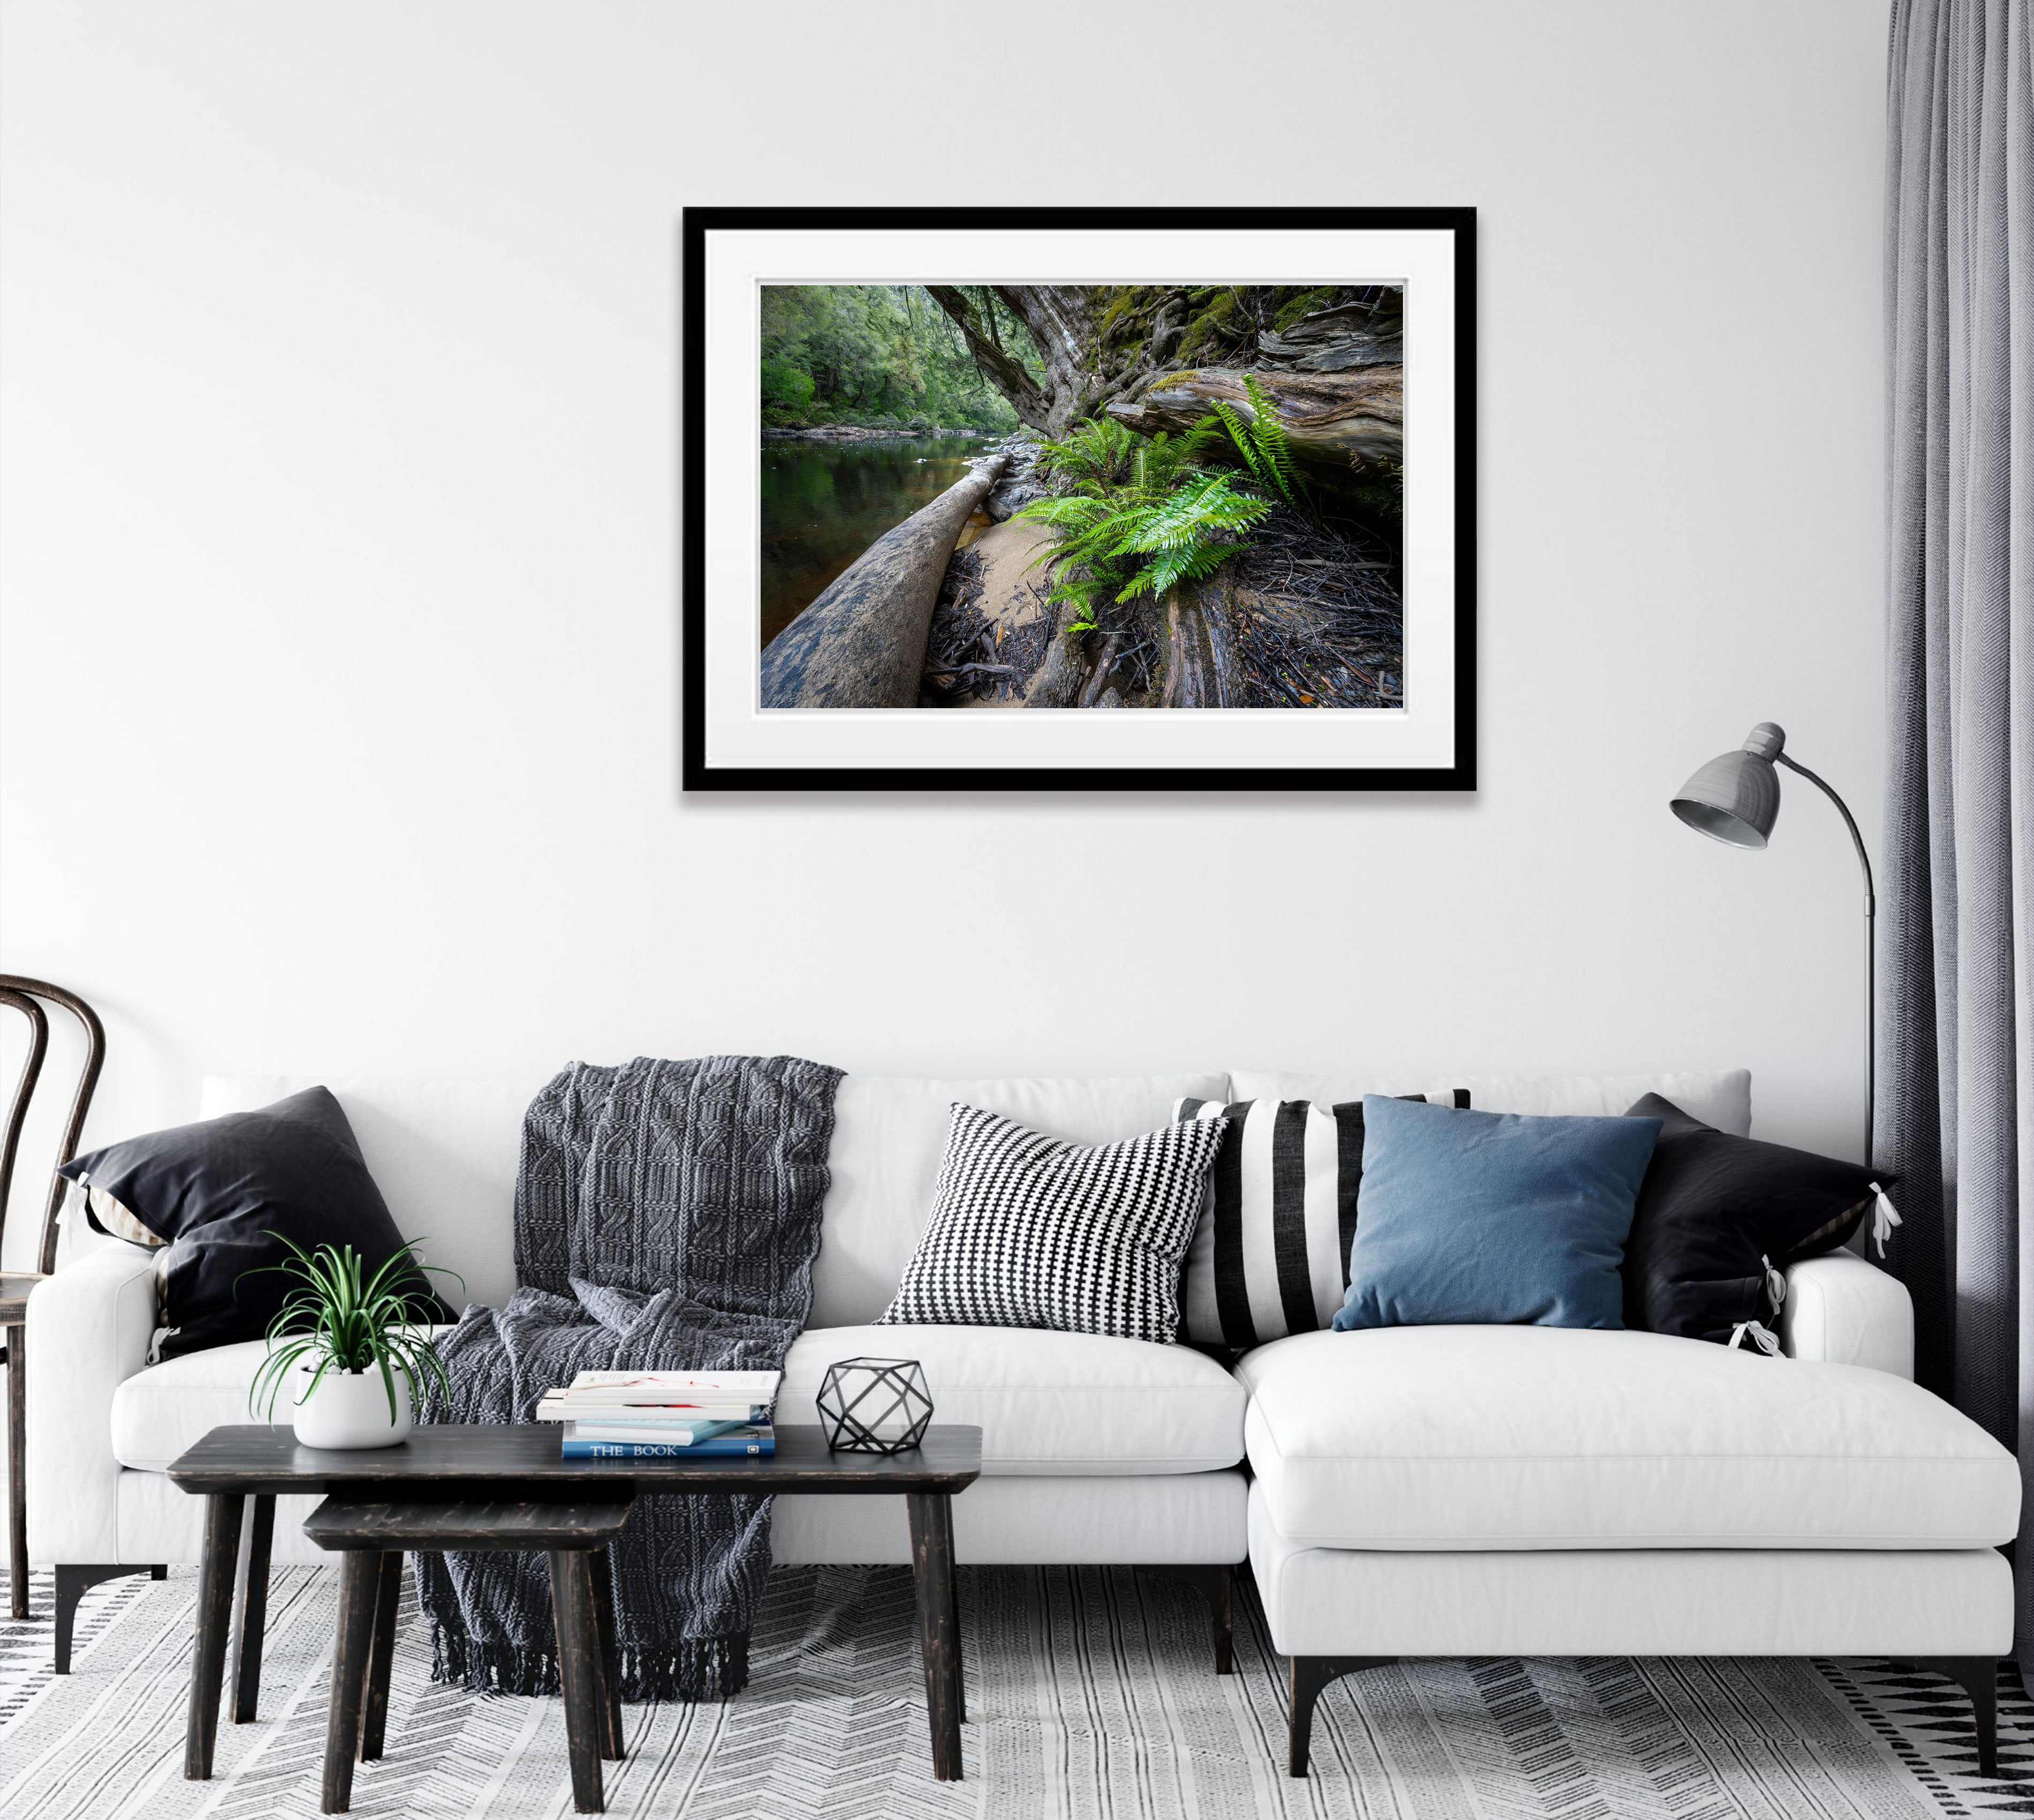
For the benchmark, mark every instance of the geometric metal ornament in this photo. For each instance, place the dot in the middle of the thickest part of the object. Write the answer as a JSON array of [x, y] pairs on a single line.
[[874, 1405]]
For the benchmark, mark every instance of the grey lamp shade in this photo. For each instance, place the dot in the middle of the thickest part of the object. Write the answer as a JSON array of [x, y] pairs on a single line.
[[1736, 797]]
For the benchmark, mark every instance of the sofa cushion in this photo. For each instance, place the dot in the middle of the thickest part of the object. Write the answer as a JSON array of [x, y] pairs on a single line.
[[1468, 1217], [1052, 1405], [1719, 1217], [1575, 1438], [159, 1412], [1029, 1232], [1270, 1254], [1047, 1404], [442, 1152], [242, 1199], [888, 1133]]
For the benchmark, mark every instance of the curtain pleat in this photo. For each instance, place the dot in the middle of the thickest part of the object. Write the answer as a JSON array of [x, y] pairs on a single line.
[[1956, 1111]]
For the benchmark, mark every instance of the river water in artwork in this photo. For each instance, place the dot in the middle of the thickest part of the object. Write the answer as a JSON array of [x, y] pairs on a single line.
[[824, 503]]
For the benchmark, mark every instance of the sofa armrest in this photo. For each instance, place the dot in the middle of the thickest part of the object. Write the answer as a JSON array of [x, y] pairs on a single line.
[[1842, 1311], [89, 1327]]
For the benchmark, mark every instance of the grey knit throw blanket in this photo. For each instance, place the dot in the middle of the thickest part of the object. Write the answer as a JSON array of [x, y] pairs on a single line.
[[667, 1215]]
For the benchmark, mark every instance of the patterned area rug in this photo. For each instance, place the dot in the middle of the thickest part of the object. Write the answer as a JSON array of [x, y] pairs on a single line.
[[1090, 1696]]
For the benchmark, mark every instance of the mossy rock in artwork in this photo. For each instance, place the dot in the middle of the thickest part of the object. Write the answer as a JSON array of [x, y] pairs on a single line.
[[1120, 303], [1304, 303], [1211, 326]]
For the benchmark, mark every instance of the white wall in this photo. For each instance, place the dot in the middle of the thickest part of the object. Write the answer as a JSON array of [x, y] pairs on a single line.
[[338, 437]]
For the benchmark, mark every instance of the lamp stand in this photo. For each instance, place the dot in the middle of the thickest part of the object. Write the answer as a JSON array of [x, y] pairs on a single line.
[[1870, 949]]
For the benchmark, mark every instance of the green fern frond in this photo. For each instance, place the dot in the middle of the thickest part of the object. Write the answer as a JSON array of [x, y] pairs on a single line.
[[1136, 517], [1269, 435], [1194, 442], [1258, 439], [1231, 419], [1097, 451], [1201, 506]]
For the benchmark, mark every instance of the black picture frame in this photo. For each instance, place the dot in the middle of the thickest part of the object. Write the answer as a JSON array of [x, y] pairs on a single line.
[[696, 775]]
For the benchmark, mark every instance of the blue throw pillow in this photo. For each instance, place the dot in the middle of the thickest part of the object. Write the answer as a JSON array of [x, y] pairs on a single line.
[[1481, 1219]]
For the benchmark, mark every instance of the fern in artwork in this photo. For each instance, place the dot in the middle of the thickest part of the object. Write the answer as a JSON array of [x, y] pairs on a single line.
[[1260, 442], [1083, 570], [1139, 516], [1097, 452], [1185, 534], [1142, 539]]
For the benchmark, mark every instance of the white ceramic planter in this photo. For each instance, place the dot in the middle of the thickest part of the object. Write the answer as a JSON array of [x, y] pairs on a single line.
[[348, 1409]]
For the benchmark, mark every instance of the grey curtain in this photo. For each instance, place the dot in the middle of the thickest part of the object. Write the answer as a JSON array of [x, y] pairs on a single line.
[[1956, 1110]]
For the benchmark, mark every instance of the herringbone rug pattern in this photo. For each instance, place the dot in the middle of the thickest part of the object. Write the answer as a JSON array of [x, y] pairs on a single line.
[[1089, 1694]]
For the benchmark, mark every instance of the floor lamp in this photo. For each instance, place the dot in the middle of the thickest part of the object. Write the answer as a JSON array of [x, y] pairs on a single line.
[[1735, 799]]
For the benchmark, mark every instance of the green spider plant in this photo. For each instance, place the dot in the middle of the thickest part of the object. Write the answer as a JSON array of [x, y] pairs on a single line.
[[345, 1323]]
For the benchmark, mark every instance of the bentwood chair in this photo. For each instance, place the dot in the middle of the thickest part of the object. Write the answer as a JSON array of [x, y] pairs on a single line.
[[25, 996]]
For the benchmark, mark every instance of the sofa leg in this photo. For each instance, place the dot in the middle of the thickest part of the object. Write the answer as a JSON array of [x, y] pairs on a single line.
[[1217, 1585], [1978, 1677], [73, 1582], [1307, 1676]]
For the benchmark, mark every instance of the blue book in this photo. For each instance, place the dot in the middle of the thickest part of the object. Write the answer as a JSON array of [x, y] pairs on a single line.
[[721, 1445]]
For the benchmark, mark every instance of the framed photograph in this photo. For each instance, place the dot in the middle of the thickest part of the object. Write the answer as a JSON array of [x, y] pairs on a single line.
[[954, 482]]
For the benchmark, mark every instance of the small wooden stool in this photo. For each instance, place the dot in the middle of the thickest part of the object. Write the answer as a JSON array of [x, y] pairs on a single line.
[[374, 1537]]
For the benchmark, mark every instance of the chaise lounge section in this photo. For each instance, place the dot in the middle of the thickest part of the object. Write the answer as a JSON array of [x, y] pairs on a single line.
[[1555, 1491]]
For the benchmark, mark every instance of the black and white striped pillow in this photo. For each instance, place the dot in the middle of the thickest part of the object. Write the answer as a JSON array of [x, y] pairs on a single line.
[[1029, 1232], [1270, 1254]]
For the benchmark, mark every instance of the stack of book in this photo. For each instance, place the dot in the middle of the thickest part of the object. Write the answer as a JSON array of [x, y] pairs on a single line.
[[664, 1415]]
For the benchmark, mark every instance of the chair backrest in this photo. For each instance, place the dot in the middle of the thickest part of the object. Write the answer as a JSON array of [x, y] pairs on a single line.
[[25, 996]]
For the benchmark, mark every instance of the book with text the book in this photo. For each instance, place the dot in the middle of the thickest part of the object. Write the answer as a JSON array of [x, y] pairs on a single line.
[[749, 1445]]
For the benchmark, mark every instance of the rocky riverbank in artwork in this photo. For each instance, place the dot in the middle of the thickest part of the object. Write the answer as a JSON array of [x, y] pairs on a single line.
[[856, 433]]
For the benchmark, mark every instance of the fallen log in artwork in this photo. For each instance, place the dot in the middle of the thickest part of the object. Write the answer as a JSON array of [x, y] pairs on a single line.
[[1201, 660], [1351, 417], [862, 643]]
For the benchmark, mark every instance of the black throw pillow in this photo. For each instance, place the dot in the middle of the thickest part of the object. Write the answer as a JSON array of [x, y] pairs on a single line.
[[220, 1190], [1716, 1212]]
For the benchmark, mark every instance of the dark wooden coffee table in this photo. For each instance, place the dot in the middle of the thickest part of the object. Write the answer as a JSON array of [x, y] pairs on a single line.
[[451, 1463]]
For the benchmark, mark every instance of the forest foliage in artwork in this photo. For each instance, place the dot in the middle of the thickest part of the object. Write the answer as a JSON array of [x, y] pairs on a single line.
[[877, 356]]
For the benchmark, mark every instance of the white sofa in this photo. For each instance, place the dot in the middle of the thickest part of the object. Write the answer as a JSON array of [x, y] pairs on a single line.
[[1094, 1449], [1417, 1492]]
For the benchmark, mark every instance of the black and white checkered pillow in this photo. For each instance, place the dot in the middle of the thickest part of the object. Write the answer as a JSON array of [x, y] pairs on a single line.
[[1029, 1232], [1269, 1256]]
